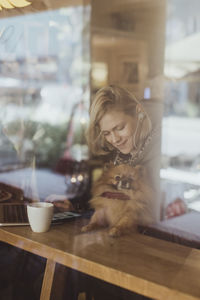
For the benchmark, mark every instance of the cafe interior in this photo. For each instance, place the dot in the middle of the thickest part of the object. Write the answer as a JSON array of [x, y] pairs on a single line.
[[54, 57]]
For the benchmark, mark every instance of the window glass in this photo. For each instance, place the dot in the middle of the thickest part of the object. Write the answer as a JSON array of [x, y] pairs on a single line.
[[152, 49], [44, 88], [181, 119], [128, 43]]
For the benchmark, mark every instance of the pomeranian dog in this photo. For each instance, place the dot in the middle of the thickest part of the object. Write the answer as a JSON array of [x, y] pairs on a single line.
[[121, 199]]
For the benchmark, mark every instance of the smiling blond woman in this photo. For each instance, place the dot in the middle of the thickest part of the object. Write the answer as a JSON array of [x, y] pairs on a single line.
[[121, 128]]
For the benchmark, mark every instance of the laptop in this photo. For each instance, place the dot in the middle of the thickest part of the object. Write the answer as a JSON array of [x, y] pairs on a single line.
[[15, 214]]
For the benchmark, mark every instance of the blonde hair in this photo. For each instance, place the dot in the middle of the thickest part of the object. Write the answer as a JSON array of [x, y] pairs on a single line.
[[118, 98]]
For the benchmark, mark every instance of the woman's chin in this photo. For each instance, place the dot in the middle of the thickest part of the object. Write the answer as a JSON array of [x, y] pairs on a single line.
[[125, 151]]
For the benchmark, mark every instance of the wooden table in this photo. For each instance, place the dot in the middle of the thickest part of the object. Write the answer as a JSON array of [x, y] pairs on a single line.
[[142, 264]]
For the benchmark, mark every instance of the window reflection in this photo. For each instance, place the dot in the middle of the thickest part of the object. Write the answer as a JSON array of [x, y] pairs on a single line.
[[181, 123], [44, 74]]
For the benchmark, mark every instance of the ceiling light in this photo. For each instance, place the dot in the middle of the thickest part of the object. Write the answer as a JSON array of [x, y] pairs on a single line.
[[9, 4]]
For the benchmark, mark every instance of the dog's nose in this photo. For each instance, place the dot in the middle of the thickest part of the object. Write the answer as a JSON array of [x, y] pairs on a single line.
[[126, 184]]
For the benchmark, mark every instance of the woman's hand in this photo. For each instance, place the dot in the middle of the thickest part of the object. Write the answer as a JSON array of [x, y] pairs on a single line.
[[60, 202]]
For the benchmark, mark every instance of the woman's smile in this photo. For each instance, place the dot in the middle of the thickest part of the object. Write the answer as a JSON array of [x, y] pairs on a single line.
[[122, 144]]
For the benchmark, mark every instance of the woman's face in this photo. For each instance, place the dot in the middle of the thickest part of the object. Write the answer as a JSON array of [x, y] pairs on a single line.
[[118, 129]]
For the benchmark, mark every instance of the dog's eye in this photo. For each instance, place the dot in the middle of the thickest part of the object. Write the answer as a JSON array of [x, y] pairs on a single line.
[[131, 180], [117, 178]]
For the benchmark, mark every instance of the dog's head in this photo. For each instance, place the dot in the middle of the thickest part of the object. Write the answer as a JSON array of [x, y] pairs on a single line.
[[124, 177]]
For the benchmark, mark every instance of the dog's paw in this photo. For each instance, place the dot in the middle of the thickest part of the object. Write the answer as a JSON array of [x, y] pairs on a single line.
[[87, 228], [114, 232]]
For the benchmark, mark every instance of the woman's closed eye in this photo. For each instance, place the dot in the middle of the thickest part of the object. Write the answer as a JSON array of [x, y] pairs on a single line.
[[106, 133], [116, 128], [120, 127]]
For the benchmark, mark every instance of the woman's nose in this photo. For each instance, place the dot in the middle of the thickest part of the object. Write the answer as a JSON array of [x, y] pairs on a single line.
[[115, 138]]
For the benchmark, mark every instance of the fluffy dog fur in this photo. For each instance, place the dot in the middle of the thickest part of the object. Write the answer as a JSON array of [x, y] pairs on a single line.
[[121, 199]]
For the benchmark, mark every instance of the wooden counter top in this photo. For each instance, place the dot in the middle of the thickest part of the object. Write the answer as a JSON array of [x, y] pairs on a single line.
[[139, 263]]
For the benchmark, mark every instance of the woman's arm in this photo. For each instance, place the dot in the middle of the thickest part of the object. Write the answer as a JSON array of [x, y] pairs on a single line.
[[60, 202]]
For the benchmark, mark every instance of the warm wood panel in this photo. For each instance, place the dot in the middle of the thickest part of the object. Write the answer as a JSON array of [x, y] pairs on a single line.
[[145, 265], [48, 280]]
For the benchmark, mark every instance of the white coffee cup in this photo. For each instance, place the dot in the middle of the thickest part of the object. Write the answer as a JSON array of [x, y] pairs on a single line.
[[40, 215]]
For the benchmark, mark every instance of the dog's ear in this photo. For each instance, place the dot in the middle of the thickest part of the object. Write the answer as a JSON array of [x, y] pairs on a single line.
[[106, 166], [140, 170]]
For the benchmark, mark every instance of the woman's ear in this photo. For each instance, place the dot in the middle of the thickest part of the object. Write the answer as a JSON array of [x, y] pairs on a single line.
[[146, 123], [145, 128], [140, 113]]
